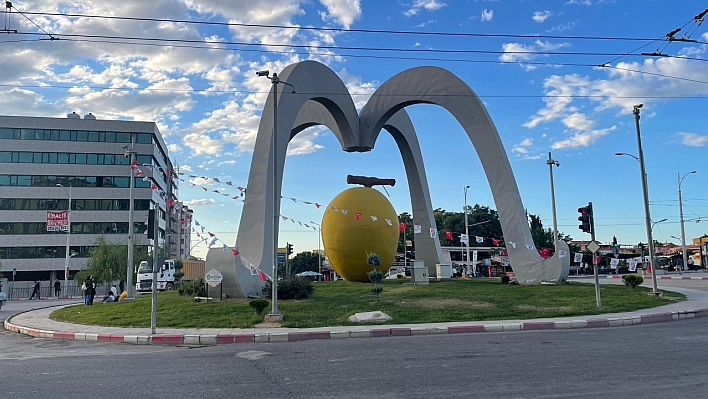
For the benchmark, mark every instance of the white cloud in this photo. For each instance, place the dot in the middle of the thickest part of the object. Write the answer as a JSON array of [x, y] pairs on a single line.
[[522, 147], [582, 139], [303, 143], [429, 5], [540, 16], [487, 15], [514, 52], [201, 181], [174, 148], [581, 2], [343, 11], [185, 168], [578, 121], [694, 139], [199, 202]]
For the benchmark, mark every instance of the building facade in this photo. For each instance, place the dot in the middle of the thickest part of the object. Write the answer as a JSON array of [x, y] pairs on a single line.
[[45, 160]]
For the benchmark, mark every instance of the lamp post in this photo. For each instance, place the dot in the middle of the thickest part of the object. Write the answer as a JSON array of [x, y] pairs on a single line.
[[683, 233], [130, 287], [467, 233], [319, 252], [68, 235], [275, 314], [550, 162], [647, 214]]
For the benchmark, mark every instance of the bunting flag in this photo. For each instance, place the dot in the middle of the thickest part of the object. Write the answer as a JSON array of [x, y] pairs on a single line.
[[358, 215], [479, 239], [226, 248], [153, 186], [389, 221], [235, 252], [577, 257], [448, 235], [254, 272], [262, 276], [545, 252], [495, 241], [402, 226], [417, 229], [344, 211], [464, 238], [530, 247], [211, 244], [433, 232], [513, 244], [373, 218], [211, 234]]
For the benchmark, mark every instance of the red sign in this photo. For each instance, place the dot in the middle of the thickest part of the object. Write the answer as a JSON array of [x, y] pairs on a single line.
[[57, 220]]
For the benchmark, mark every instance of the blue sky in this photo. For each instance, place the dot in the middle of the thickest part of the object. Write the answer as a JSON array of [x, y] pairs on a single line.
[[207, 102]]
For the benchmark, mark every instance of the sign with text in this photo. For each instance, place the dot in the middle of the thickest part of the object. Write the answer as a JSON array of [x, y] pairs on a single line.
[[57, 220], [213, 277]]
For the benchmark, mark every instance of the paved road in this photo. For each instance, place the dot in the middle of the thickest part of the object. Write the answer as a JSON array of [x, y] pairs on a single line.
[[648, 361]]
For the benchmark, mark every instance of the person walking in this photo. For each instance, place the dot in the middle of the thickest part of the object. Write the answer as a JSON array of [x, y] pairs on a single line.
[[93, 291], [57, 288], [88, 290], [35, 290]]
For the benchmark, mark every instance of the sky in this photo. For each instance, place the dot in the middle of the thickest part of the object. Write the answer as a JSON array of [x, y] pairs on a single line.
[[206, 98]]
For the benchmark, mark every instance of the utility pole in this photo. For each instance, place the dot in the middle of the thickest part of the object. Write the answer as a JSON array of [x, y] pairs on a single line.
[[647, 215], [130, 287], [155, 249], [467, 232], [550, 164], [68, 248], [683, 233]]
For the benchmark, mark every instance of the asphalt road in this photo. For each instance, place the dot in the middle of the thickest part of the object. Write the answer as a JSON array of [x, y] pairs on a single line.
[[649, 361]]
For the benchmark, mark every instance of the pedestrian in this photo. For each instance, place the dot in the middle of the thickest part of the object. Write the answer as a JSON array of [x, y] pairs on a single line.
[[57, 288], [87, 287], [35, 290], [690, 263], [93, 291]]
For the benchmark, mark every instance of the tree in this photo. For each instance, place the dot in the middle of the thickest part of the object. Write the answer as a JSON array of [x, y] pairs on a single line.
[[543, 238], [108, 262], [178, 269], [374, 260], [303, 262]]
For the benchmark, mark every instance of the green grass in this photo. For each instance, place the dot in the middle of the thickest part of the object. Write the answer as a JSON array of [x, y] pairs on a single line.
[[333, 302]]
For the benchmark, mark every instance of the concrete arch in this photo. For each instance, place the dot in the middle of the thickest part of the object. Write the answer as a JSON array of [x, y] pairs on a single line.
[[433, 85]]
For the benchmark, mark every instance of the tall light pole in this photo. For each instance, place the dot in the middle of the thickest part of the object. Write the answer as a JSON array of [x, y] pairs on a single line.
[[275, 314], [550, 162], [683, 233], [68, 235], [467, 232], [130, 287], [319, 252]]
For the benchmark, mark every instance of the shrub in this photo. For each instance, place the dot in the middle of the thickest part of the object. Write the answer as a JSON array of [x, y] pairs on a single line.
[[399, 275], [193, 287], [291, 288], [505, 279], [375, 276], [633, 280], [259, 305]]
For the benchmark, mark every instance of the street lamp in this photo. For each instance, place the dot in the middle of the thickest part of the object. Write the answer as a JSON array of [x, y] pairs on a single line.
[[683, 233], [550, 162], [647, 214], [68, 234], [275, 314], [467, 232], [319, 252], [130, 153]]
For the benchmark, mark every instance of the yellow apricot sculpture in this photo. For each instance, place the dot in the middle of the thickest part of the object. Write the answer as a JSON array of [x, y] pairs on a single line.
[[347, 240]]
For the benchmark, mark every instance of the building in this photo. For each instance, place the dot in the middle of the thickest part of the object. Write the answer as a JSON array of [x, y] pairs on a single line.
[[181, 245], [44, 160]]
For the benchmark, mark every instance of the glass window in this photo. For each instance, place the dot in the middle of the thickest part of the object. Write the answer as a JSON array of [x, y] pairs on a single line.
[[145, 159], [47, 134], [6, 133], [62, 157], [64, 135], [24, 181], [53, 157], [7, 204], [72, 158], [144, 138], [5, 156], [45, 157], [109, 159], [140, 183], [4, 180], [55, 135], [81, 136], [15, 157], [110, 137], [73, 135], [100, 159], [123, 137], [90, 181], [93, 136], [141, 205], [37, 157], [92, 159], [121, 160], [122, 182], [26, 157], [81, 159], [39, 134], [27, 134], [101, 136]]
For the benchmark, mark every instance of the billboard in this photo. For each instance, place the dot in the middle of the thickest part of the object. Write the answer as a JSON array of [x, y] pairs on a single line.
[[57, 220]]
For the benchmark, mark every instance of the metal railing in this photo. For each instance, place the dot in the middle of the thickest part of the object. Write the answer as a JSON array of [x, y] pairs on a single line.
[[23, 290]]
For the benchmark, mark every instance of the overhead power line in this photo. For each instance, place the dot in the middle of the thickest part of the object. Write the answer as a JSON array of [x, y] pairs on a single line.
[[342, 30]]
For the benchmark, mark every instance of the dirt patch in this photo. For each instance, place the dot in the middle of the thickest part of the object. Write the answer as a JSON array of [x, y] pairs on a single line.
[[545, 309], [266, 324], [446, 303]]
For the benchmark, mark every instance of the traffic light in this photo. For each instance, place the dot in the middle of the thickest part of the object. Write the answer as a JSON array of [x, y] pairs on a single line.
[[615, 246], [641, 246], [289, 249], [585, 218]]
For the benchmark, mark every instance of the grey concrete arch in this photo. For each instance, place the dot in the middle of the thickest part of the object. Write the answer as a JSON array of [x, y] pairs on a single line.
[[433, 85]]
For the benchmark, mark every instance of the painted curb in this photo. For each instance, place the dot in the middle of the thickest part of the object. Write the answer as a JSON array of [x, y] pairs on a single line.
[[666, 277], [338, 333]]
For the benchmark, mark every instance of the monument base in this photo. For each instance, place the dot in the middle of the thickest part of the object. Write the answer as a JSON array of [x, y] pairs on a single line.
[[274, 317]]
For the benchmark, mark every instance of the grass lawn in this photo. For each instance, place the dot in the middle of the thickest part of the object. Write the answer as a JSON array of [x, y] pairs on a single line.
[[333, 302]]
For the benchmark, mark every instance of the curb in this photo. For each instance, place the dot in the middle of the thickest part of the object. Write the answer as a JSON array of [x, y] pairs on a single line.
[[668, 277], [273, 337]]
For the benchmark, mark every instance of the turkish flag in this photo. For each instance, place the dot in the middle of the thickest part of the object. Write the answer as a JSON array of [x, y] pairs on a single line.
[[262, 276], [358, 215], [448, 235], [235, 251], [401, 226], [211, 234], [545, 252], [495, 241]]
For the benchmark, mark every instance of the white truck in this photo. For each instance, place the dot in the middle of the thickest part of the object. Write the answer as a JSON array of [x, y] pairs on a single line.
[[165, 277]]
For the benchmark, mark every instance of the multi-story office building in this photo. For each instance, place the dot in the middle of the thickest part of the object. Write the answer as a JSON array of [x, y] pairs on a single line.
[[180, 247], [44, 160]]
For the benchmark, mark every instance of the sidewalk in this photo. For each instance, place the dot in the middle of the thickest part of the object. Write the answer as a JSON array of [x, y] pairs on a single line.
[[36, 323]]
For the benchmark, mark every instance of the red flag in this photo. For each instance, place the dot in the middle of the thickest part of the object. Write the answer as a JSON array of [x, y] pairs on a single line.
[[210, 234], [153, 186], [262, 276], [198, 234], [358, 215], [545, 252], [135, 163], [401, 226], [495, 241], [235, 251], [317, 205], [448, 235]]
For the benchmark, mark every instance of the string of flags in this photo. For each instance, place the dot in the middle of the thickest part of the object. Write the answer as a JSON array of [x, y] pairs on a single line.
[[211, 239]]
